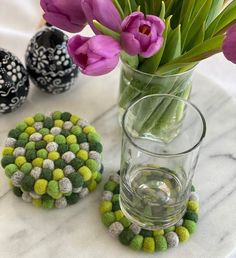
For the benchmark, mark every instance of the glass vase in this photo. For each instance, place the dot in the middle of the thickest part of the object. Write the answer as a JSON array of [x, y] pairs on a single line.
[[163, 116]]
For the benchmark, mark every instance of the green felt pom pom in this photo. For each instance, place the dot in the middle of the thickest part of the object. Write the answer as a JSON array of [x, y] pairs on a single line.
[[110, 186], [60, 163], [190, 225], [17, 191], [46, 174], [42, 153], [116, 206], [74, 148], [126, 236], [92, 165], [26, 168], [105, 206], [124, 221], [98, 178], [53, 189], [24, 136], [77, 163], [96, 146], [56, 115], [21, 143], [65, 132], [21, 126], [60, 139], [44, 131], [14, 133], [72, 199], [149, 245], [160, 243], [30, 155], [108, 218], [189, 215], [137, 243], [169, 229], [76, 179], [193, 206], [182, 233], [6, 160], [10, 170], [76, 130], [115, 198], [192, 188], [62, 148], [92, 185], [81, 138], [40, 145], [145, 233], [39, 117], [48, 123], [158, 232], [94, 137], [27, 183], [47, 202], [30, 146], [65, 116], [37, 202]]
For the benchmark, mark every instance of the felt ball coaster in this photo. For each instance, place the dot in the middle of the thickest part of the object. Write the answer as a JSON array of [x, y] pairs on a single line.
[[132, 235], [53, 160]]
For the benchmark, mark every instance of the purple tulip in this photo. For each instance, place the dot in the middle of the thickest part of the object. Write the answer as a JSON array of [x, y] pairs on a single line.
[[104, 12], [95, 56], [142, 34], [229, 45], [64, 14]]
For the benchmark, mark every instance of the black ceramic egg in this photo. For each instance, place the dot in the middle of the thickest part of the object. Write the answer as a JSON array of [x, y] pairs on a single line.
[[49, 65], [14, 82]]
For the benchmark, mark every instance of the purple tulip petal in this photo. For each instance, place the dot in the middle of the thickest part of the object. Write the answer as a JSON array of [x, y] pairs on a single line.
[[75, 42], [159, 24], [129, 21], [102, 67], [129, 43], [104, 46], [152, 49], [229, 45]]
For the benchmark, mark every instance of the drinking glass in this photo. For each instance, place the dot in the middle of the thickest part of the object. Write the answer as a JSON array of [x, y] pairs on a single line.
[[156, 176]]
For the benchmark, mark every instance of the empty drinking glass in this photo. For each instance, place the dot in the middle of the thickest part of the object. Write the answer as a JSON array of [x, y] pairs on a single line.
[[156, 176]]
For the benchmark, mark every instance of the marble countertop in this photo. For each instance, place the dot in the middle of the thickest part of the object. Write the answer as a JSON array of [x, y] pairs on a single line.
[[77, 231]]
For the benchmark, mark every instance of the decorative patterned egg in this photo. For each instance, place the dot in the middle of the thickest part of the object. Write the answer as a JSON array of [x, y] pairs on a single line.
[[14, 82], [49, 65]]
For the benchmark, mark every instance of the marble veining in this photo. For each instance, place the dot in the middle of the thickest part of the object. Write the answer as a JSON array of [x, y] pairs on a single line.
[[77, 231]]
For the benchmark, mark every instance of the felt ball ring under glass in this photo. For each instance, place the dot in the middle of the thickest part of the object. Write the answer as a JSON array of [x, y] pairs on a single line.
[[156, 176]]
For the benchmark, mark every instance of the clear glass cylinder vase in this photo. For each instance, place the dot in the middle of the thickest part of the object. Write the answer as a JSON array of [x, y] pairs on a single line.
[[135, 84]]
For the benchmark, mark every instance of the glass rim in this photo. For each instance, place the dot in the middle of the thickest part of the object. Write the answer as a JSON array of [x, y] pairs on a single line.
[[156, 75], [203, 134]]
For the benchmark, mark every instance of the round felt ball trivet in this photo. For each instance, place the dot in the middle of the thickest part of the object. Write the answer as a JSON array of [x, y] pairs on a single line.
[[139, 239], [53, 160]]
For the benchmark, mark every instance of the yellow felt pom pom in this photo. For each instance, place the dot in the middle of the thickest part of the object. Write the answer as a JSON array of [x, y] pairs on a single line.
[[58, 123], [89, 129], [30, 130], [20, 160], [7, 151], [193, 206], [48, 138], [54, 155], [158, 232], [92, 186], [119, 214], [38, 162], [82, 154], [74, 119], [58, 174], [85, 173], [71, 139], [40, 186], [149, 245], [37, 202], [29, 121]]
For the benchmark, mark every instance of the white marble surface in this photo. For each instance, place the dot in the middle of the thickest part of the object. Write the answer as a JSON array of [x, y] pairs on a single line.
[[27, 232]]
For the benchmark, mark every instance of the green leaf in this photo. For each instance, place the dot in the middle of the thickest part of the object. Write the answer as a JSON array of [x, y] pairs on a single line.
[[197, 20], [169, 4], [198, 53], [216, 7], [155, 6], [173, 45], [163, 10], [106, 30], [222, 21], [151, 64], [119, 8], [132, 61], [186, 13]]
